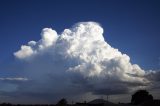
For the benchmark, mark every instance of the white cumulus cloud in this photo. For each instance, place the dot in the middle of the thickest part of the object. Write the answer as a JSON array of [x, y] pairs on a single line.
[[79, 60], [49, 37]]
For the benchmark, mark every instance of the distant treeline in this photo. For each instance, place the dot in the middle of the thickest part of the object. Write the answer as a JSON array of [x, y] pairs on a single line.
[[139, 98]]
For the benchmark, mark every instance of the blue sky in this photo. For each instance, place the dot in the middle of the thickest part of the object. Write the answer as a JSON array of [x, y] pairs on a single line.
[[132, 26]]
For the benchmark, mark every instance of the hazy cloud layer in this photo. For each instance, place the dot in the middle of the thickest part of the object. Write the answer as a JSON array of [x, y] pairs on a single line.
[[78, 61], [13, 79]]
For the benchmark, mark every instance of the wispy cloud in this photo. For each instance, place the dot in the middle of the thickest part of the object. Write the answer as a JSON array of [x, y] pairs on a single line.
[[14, 79]]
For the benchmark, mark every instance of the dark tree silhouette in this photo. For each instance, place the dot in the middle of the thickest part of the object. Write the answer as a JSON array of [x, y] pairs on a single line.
[[141, 96], [62, 102]]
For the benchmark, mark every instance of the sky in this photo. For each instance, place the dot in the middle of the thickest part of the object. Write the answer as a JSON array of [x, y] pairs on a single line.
[[103, 37]]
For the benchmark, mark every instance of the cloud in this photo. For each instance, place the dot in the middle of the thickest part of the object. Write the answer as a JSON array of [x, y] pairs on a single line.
[[14, 79], [49, 37], [78, 61], [25, 51]]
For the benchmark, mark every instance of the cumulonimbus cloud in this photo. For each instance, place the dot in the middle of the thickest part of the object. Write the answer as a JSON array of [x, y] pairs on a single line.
[[79, 60]]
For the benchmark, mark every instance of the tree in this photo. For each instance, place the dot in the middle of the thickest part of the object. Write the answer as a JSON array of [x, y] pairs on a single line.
[[141, 96], [62, 102]]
